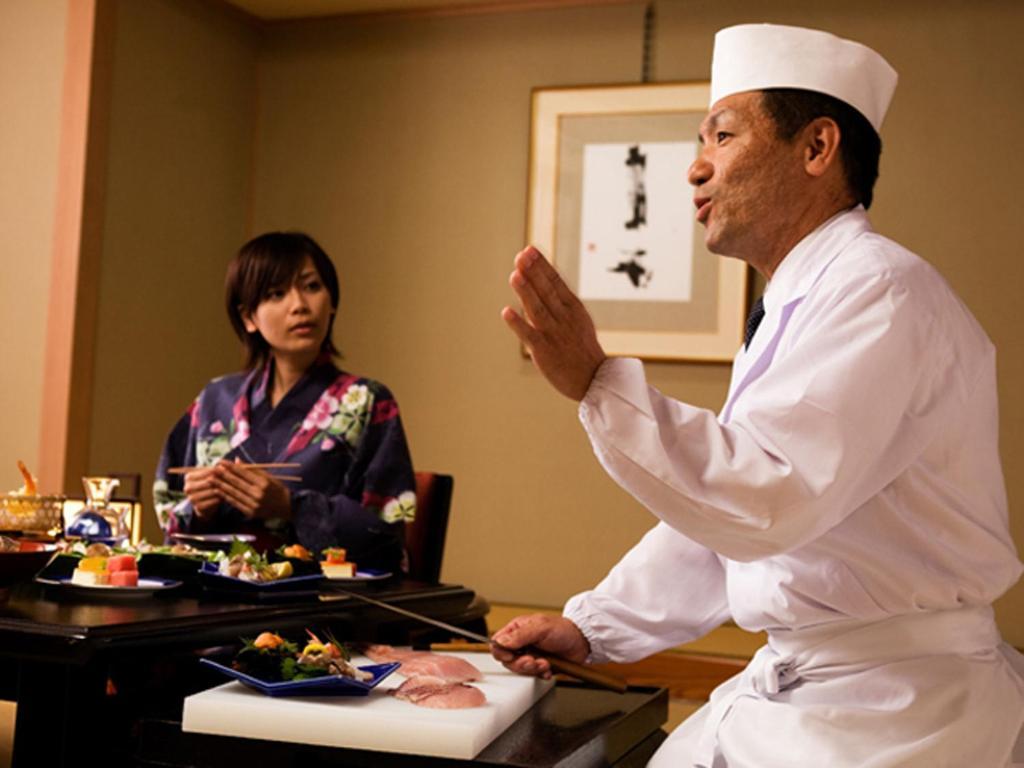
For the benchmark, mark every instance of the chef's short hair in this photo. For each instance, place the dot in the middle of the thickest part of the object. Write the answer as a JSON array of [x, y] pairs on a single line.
[[263, 263], [859, 144]]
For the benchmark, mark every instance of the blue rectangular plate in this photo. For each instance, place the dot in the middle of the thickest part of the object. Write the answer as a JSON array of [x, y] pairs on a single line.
[[145, 588], [212, 578], [329, 685], [361, 577]]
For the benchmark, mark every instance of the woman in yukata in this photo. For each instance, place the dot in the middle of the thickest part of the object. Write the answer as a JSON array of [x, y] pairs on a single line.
[[290, 404]]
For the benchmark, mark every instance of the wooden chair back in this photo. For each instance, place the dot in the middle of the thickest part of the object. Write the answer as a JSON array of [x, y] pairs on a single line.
[[425, 536]]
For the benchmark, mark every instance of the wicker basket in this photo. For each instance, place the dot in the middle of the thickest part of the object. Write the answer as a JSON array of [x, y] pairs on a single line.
[[32, 513]]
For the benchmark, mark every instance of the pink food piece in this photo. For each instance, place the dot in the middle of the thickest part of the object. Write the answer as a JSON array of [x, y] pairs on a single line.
[[451, 669], [436, 693], [124, 579], [384, 654], [122, 563]]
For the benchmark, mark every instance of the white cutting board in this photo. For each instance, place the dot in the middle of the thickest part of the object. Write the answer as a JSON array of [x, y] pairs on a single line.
[[377, 721]]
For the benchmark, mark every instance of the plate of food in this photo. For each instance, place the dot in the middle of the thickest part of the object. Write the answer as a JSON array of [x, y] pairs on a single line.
[[336, 567], [115, 575], [143, 588], [275, 666], [302, 560], [177, 562], [244, 570]]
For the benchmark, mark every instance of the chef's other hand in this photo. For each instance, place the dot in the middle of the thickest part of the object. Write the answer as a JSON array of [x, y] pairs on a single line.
[[252, 491], [553, 634], [202, 491], [557, 330]]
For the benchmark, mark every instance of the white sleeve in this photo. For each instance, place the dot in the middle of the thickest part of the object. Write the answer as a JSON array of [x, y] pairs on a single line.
[[665, 591], [859, 390]]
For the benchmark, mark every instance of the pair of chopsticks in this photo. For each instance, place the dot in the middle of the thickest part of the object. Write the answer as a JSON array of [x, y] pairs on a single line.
[[558, 664], [285, 465]]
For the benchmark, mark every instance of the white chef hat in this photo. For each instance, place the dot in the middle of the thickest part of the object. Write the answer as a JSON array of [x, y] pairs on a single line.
[[752, 57]]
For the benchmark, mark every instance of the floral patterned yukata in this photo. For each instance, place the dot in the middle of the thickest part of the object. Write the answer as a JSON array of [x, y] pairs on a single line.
[[357, 486]]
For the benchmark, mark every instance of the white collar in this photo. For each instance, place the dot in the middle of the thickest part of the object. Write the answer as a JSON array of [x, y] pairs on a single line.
[[801, 267]]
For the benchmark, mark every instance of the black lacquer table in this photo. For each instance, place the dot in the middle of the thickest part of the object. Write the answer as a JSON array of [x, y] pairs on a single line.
[[85, 673]]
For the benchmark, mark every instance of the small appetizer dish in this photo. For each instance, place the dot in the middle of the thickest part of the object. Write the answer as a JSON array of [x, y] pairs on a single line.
[[244, 569], [115, 571], [278, 667], [335, 566], [301, 559]]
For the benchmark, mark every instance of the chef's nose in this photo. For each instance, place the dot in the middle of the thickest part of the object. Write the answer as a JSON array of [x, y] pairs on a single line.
[[700, 170]]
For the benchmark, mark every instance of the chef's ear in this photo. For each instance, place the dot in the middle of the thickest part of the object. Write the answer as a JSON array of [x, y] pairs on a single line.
[[821, 138]]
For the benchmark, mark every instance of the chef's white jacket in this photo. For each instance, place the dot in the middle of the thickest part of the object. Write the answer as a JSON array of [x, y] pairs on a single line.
[[849, 500]]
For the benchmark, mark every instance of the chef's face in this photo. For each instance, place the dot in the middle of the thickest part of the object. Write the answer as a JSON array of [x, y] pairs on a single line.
[[294, 318], [746, 179]]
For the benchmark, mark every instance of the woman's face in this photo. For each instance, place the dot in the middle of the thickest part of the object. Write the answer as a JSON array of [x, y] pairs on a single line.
[[294, 318]]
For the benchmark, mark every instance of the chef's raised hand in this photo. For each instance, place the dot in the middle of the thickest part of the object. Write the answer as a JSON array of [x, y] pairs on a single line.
[[557, 330], [202, 491], [552, 634], [252, 491]]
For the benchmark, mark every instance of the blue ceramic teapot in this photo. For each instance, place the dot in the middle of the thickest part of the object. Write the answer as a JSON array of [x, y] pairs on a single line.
[[91, 524]]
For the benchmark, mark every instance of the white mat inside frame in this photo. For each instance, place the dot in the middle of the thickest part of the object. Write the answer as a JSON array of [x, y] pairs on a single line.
[[377, 722]]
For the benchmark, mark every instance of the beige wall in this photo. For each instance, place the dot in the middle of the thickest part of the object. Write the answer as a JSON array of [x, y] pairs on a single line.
[[32, 38], [179, 160], [401, 143]]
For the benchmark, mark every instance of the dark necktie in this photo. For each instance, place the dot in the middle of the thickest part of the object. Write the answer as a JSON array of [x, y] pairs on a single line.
[[753, 320]]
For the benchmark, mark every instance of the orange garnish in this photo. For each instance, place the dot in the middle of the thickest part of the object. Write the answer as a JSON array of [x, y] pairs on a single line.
[[30, 482], [268, 640]]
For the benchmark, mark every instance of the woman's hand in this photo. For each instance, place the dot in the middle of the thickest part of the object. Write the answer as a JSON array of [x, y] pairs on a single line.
[[554, 634], [252, 491], [202, 491]]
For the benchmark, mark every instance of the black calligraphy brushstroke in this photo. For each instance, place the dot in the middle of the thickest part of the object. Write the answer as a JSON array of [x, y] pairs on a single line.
[[637, 273], [637, 164]]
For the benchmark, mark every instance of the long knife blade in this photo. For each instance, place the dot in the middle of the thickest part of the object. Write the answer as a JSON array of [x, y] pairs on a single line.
[[558, 664]]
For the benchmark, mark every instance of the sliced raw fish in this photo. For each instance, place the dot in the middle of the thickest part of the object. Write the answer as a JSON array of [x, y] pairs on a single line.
[[385, 654], [436, 693], [452, 669]]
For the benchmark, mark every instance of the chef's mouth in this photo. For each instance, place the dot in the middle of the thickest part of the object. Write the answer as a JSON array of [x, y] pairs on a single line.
[[703, 205]]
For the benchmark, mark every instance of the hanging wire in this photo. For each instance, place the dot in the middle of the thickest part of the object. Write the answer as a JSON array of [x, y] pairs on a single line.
[[645, 65]]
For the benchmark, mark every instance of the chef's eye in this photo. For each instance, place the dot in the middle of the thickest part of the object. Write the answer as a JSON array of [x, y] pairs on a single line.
[[314, 285], [275, 294], [721, 136]]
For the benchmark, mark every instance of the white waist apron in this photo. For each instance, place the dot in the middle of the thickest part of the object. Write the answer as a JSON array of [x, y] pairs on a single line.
[[933, 690]]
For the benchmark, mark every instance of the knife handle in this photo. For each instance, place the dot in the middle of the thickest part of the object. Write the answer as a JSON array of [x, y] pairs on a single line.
[[558, 664], [583, 672], [462, 645]]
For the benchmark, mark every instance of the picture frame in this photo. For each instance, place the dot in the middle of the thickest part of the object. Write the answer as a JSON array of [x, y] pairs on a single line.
[[610, 205]]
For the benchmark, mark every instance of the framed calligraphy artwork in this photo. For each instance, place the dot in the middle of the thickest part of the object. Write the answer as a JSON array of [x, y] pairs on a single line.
[[609, 204]]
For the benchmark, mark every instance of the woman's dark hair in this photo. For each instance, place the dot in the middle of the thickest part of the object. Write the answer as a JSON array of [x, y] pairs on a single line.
[[859, 145], [264, 263]]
